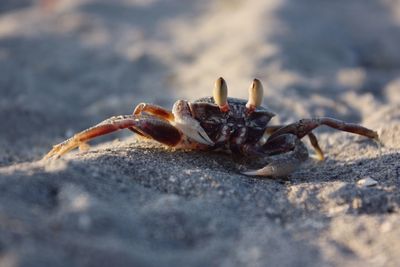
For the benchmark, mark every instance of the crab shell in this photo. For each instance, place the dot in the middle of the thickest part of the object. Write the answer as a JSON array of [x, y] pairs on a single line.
[[233, 128]]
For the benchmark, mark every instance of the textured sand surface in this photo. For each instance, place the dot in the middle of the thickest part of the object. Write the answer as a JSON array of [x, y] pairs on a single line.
[[66, 65]]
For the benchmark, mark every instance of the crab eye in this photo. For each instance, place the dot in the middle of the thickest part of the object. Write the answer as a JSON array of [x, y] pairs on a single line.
[[256, 92], [220, 94]]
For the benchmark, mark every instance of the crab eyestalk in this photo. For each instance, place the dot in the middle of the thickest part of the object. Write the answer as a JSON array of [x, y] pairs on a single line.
[[220, 94], [256, 92]]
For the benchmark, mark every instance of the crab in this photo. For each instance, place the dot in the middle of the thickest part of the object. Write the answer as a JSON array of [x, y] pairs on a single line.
[[219, 122]]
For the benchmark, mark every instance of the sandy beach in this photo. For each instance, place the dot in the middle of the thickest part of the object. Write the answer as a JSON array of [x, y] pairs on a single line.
[[66, 65]]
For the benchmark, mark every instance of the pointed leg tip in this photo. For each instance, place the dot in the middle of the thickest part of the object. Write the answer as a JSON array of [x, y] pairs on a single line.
[[260, 173], [318, 157], [257, 174], [50, 154], [377, 139], [248, 173]]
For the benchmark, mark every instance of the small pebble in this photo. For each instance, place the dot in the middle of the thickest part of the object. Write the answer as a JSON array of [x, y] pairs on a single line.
[[368, 181]]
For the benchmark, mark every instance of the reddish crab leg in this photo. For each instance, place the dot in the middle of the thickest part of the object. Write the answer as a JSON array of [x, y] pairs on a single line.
[[286, 142], [182, 119], [153, 110], [148, 126], [314, 143], [305, 126]]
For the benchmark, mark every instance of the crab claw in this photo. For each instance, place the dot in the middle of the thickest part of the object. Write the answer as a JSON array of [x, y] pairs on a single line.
[[220, 94], [256, 92], [279, 169], [190, 127], [285, 163]]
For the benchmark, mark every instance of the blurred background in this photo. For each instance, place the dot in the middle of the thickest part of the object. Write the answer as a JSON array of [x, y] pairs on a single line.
[[67, 64]]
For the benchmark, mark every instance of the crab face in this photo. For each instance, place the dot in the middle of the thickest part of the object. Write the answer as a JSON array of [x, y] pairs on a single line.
[[220, 121]]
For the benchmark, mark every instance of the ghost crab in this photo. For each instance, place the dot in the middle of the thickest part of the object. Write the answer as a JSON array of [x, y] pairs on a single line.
[[234, 125]]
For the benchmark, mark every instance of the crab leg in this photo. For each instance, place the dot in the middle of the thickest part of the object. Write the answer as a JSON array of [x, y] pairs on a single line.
[[314, 143], [153, 110], [148, 126], [280, 144], [311, 136], [295, 152], [305, 126]]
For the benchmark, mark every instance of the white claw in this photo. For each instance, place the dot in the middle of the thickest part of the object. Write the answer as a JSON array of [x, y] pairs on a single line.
[[192, 129], [188, 125], [220, 94], [266, 171], [256, 92], [274, 170]]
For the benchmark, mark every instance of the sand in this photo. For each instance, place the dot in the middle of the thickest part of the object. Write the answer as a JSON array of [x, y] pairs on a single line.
[[66, 65]]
